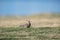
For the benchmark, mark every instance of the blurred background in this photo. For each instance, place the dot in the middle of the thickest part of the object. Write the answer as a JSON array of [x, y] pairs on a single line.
[[41, 13]]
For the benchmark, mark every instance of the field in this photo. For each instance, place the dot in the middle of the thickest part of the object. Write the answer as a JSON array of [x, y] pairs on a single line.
[[38, 20], [43, 27], [42, 33]]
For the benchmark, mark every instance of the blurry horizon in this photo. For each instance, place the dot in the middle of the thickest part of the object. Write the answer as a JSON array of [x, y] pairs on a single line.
[[25, 7]]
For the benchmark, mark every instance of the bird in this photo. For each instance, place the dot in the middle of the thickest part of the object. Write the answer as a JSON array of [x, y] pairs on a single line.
[[27, 24]]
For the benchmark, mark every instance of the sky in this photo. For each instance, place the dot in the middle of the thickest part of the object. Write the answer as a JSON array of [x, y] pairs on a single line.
[[27, 7]]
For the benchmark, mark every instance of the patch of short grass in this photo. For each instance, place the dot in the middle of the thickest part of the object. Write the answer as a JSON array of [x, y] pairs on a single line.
[[42, 33]]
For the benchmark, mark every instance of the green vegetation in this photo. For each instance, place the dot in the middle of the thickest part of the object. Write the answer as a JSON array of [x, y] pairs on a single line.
[[43, 33]]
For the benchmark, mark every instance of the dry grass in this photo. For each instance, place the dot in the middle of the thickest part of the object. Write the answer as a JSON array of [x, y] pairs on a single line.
[[41, 20], [49, 28]]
